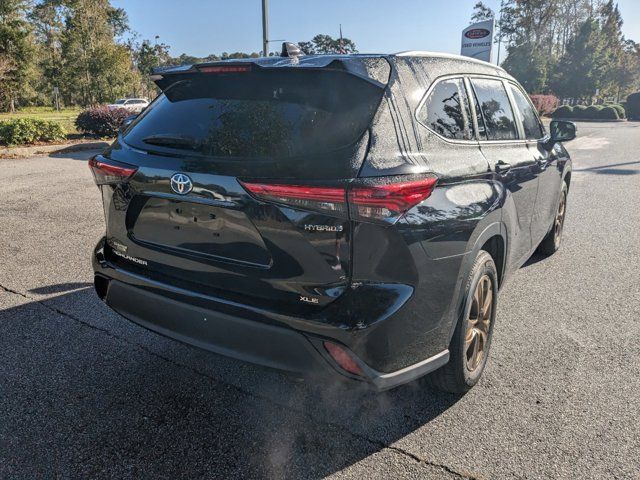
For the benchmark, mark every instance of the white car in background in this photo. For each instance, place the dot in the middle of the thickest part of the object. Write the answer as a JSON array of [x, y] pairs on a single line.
[[134, 105]]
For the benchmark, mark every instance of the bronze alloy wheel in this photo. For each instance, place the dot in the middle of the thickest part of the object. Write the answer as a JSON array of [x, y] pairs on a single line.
[[559, 220], [478, 323]]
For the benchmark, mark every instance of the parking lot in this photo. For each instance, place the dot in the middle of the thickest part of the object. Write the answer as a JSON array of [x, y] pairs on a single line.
[[86, 394]]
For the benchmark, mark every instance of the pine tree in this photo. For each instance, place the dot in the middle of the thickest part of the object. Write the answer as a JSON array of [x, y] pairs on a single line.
[[481, 13], [618, 61], [529, 66], [326, 44], [583, 68], [16, 53], [147, 57], [48, 23]]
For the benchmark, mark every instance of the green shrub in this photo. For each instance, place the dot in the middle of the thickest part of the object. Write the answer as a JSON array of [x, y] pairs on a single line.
[[579, 111], [592, 111], [608, 113], [102, 121], [565, 111], [632, 106], [619, 109], [23, 131]]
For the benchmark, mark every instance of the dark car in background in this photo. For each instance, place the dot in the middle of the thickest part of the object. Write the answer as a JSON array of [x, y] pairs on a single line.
[[352, 215]]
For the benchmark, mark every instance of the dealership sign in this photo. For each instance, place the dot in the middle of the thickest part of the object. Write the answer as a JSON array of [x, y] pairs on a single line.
[[477, 40]]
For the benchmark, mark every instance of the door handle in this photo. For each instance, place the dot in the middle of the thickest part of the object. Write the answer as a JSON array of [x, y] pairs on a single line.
[[502, 167]]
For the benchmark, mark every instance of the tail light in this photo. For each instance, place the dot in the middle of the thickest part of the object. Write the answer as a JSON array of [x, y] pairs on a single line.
[[343, 358], [380, 201], [305, 197], [389, 201], [108, 171]]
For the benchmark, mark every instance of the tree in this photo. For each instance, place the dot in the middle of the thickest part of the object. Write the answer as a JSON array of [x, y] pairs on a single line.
[[147, 57], [582, 69], [325, 44], [528, 65], [48, 23], [628, 74], [481, 13], [539, 34], [6, 66], [227, 56], [621, 65], [96, 67], [16, 52]]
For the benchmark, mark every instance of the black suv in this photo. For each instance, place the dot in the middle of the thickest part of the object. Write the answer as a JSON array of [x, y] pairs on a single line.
[[347, 214]]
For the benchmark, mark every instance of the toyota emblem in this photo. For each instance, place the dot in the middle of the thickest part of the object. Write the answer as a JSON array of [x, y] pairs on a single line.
[[181, 184]]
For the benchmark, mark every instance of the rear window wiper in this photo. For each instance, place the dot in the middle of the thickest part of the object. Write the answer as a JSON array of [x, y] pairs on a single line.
[[173, 141]]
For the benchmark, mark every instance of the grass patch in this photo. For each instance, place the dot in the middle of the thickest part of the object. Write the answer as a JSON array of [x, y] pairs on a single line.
[[66, 117]]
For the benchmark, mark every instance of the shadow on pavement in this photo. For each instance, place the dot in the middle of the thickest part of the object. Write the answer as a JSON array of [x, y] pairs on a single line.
[[61, 287], [611, 170], [533, 259], [108, 399], [84, 154]]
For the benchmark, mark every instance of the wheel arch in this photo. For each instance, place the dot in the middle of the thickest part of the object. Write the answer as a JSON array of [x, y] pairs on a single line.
[[493, 237], [567, 177]]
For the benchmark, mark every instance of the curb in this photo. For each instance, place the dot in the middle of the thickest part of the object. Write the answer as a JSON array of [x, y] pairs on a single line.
[[593, 120], [31, 151]]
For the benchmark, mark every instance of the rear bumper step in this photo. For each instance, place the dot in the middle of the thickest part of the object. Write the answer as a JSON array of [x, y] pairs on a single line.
[[169, 312], [246, 340]]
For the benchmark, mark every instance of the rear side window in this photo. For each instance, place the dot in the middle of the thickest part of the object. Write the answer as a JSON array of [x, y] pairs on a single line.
[[528, 117], [497, 115], [446, 110], [267, 115]]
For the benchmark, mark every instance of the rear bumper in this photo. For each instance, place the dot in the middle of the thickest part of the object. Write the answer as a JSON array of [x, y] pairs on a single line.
[[246, 340], [285, 343]]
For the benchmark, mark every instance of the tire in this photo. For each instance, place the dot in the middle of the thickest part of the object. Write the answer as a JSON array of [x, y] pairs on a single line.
[[461, 373], [551, 243]]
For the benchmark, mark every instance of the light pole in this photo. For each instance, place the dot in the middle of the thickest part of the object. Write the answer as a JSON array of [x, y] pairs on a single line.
[[499, 31], [265, 28]]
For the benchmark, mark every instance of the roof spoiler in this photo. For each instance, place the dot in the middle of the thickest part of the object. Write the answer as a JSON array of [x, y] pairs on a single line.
[[371, 68]]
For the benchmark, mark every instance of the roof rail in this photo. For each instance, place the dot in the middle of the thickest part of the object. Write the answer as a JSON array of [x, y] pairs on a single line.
[[424, 53]]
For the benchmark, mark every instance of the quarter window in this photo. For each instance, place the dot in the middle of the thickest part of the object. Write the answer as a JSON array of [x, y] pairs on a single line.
[[446, 110], [499, 122], [528, 116]]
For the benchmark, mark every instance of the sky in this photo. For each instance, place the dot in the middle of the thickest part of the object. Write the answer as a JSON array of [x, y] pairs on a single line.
[[202, 27]]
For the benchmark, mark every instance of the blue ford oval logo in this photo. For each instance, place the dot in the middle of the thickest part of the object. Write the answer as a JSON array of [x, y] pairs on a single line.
[[181, 184]]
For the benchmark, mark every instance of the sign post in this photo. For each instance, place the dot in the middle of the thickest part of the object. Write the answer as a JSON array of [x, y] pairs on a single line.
[[477, 40]]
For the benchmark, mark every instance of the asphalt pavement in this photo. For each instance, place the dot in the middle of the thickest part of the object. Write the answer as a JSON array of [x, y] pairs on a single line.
[[86, 394]]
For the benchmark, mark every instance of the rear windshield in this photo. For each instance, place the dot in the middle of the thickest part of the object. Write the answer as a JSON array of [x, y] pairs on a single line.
[[258, 114]]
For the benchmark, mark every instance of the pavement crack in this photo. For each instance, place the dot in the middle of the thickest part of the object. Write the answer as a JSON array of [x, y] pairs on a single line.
[[247, 393], [417, 458]]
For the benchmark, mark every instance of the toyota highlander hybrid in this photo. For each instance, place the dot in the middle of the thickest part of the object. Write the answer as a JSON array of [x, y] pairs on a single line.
[[346, 215]]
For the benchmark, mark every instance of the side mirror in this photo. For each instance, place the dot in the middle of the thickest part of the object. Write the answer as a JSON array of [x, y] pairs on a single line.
[[126, 122], [562, 131], [559, 131]]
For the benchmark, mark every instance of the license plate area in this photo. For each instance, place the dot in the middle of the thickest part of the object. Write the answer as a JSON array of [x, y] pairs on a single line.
[[196, 228]]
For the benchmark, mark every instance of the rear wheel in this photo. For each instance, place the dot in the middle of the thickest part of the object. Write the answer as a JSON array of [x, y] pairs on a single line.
[[471, 340], [551, 243]]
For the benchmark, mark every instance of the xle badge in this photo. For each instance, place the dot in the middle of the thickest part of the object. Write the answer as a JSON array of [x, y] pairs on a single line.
[[308, 299]]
